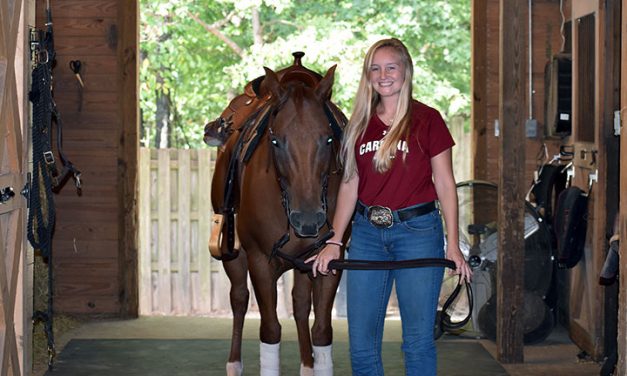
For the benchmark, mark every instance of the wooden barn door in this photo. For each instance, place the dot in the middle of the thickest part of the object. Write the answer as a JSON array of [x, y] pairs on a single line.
[[596, 62], [15, 297]]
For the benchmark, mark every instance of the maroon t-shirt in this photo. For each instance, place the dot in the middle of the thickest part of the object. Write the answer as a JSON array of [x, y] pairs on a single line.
[[405, 183]]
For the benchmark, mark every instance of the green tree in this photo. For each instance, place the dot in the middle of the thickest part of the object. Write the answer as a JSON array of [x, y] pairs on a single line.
[[199, 53]]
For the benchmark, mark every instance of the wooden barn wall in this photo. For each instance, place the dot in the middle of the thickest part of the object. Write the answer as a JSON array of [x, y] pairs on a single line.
[[546, 42], [587, 308], [94, 244]]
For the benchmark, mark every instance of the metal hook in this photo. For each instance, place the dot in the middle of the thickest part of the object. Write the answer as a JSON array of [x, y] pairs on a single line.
[[570, 174], [592, 178]]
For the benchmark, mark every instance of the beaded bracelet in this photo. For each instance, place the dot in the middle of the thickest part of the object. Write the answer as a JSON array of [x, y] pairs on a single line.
[[334, 242]]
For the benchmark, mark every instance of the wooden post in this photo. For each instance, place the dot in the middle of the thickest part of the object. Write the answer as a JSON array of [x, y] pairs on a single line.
[[479, 66], [205, 163], [608, 187], [510, 270], [128, 156], [621, 366]]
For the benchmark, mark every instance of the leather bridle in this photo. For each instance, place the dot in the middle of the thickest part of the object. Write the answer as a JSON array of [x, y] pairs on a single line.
[[285, 198]]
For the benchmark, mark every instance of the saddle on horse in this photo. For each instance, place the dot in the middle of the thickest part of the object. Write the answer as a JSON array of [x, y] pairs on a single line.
[[255, 95], [226, 132]]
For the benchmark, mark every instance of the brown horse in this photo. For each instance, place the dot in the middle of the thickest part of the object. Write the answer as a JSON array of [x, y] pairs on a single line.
[[284, 190]]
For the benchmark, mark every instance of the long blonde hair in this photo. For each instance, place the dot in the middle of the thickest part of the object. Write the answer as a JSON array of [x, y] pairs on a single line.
[[366, 101]]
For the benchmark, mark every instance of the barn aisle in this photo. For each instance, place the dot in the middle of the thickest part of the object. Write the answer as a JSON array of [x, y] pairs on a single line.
[[135, 357], [199, 346]]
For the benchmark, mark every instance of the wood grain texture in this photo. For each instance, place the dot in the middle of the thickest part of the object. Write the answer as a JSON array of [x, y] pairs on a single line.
[[14, 305], [511, 248], [89, 227], [127, 43], [479, 114], [621, 366]]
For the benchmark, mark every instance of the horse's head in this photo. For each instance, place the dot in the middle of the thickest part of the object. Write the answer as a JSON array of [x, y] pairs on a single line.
[[302, 147]]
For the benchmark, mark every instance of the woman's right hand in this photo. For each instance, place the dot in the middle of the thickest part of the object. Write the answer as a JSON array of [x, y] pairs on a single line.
[[323, 258]]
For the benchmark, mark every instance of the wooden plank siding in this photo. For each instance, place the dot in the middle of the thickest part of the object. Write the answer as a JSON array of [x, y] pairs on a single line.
[[95, 243], [547, 41]]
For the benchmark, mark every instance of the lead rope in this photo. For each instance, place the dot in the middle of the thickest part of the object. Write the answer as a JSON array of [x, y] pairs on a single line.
[[444, 321]]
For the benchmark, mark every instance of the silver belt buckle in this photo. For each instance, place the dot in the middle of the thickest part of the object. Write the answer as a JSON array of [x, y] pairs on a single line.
[[380, 216]]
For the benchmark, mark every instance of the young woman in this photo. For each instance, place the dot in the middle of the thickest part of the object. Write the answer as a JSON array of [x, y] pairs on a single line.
[[397, 163]]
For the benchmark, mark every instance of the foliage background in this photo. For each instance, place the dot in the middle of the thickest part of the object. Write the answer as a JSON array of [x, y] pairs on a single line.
[[197, 54]]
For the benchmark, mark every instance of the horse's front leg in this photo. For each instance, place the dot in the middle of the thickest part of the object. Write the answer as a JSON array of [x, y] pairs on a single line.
[[301, 302], [324, 288], [264, 279], [237, 271]]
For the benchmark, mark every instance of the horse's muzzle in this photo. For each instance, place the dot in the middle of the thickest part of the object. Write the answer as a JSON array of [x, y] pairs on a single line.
[[307, 224]]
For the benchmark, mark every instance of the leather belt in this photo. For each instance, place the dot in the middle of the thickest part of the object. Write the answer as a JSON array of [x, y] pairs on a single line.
[[381, 216]]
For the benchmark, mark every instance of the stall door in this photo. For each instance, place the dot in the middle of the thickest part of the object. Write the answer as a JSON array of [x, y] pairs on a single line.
[[15, 298], [595, 166]]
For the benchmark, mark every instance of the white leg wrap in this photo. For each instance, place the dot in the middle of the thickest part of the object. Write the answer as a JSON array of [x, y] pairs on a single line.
[[323, 360], [269, 362], [306, 371], [234, 369]]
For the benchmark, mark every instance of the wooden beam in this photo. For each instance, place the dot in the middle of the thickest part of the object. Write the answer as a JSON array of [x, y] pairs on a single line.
[[510, 271], [479, 66], [609, 151], [128, 154], [621, 366]]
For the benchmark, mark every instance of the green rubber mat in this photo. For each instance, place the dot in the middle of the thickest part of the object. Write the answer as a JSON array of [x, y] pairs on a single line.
[[131, 357]]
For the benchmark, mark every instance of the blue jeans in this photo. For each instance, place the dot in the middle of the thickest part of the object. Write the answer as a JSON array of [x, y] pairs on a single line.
[[417, 290]]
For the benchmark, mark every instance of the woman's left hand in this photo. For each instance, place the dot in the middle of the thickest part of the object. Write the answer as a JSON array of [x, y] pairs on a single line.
[[462, 268]]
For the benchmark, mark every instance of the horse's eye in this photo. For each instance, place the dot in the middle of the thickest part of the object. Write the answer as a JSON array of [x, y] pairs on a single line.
[[275, 142], [329, 140]]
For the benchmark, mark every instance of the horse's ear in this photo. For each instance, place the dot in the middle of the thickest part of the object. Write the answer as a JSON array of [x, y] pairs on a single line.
[[271, 82], [323, 89]]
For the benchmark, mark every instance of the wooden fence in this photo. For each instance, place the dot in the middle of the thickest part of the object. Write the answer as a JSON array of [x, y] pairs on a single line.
[[177, 274]]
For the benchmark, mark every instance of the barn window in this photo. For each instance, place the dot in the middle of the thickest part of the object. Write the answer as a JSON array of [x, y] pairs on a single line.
[[586, 78]]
